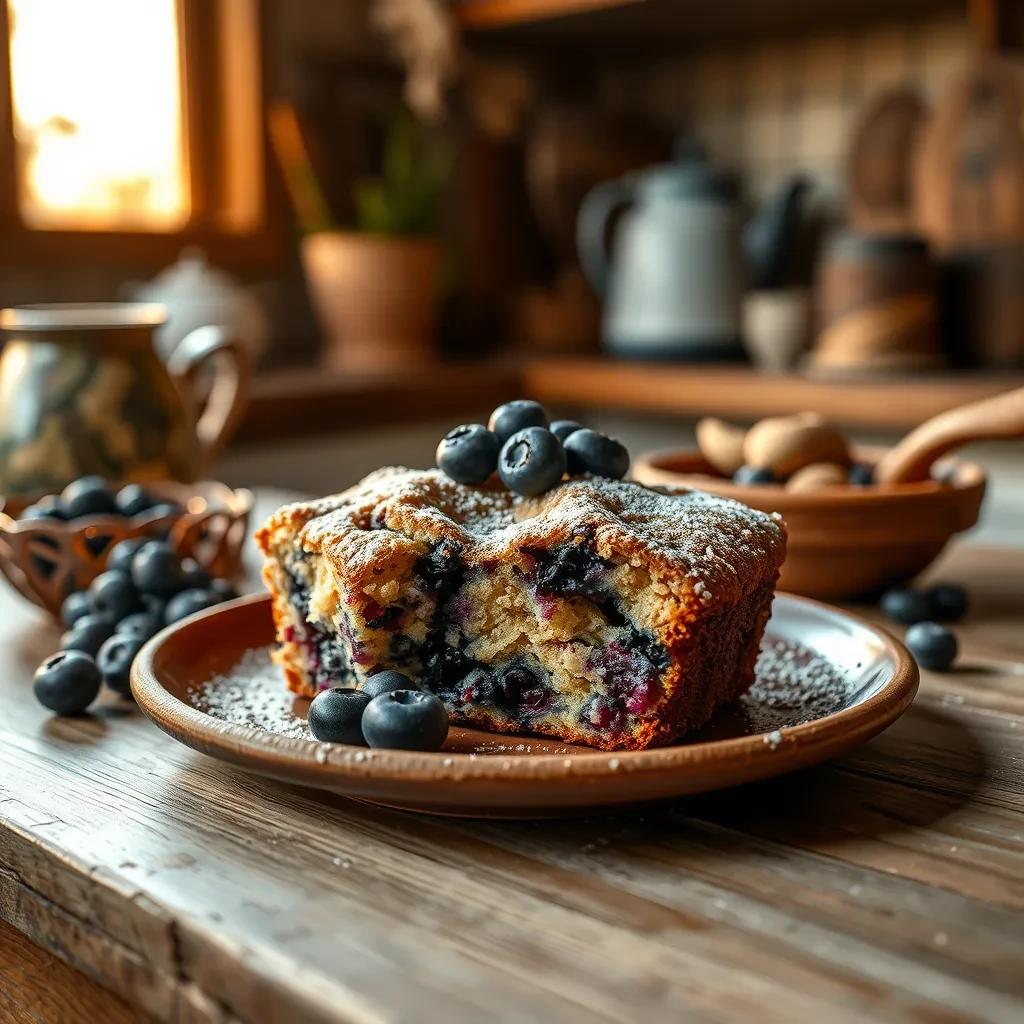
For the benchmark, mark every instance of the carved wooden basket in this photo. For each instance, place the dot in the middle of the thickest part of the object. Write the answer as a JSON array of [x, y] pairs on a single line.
[[47, 560]]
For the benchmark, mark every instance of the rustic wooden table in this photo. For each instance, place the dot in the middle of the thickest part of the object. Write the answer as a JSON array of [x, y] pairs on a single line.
[[887, 886]]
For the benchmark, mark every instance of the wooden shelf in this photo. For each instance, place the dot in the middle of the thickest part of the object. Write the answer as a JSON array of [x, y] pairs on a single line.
[[742, 394]]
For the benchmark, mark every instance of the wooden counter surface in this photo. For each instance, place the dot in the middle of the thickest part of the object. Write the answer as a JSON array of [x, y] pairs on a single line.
[[886, 886]]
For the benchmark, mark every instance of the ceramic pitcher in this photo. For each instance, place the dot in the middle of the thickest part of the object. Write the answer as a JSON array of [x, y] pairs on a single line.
[[83, 391]]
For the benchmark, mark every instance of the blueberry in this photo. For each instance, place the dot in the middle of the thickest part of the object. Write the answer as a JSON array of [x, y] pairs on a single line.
[[133, 499], [67, 683], [113, 594], [140, 624], [753, 475], [195, 575], [88, 496], [88, 634], [156, 569], [335, 715], [906, 606], [405, 720], [510, 418], [532, 461], [862, 474], [115, 661], [163, 510], [514, 683], [75, 607], [48, 507], [224, 589], [188, 602], [122, 553], [386, 682], [563, 428], [155, 606], [587, 451], [468, 454], [948, 602], [934, 646]]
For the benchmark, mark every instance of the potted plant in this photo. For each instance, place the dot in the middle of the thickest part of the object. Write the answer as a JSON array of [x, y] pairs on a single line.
[[375, 287]]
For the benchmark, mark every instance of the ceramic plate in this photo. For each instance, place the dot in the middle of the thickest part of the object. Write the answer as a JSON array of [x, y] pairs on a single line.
[[827, 681]]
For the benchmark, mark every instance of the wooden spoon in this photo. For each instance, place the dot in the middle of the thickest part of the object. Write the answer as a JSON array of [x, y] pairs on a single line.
[[987, 420]]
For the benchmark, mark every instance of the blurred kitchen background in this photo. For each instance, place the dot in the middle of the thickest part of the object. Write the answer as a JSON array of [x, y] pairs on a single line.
[[639, 211]]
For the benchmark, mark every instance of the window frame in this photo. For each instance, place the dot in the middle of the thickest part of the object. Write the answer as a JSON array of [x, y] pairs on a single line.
[[200, 67]]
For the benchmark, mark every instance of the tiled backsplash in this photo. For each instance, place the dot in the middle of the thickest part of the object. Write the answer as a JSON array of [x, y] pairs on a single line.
[[769, 108]]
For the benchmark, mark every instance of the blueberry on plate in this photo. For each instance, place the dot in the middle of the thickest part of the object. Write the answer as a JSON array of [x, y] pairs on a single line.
[[753, 475], [156, 569], [115, 661], [405, 720], [140, 624], [133, 499], [587, 451], [224, 589], [88, 634], [114, 595], [195, 575], [563, 428], [188, 602], [468, 454], [862, 474], [510, 418], [67, 683], [335, 715], [122, 553], [933, 645], [387, 682], [906, 605], [76, 606], [948, 602], [88, 496], [532, 461]]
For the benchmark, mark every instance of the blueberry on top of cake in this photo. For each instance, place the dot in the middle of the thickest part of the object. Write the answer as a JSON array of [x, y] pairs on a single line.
[[598, 611]]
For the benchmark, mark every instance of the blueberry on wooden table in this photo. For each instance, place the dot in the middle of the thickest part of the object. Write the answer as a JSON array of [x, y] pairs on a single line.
[[76, 606], [114, 595], [906, 605], [115, 661], [753, 475], [563, 428], [468, 454], [88, 634], [405, 720], [122, 553], [133, 499], [387, 682], [948, 602], [188, 602], [933, 645], [587, 451], [335, 715], [88, 496], [67, 683], [510, 418], [156, 569], [532, 461]]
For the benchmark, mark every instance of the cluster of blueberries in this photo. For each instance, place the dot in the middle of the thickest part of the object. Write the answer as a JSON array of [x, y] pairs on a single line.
[[389, 711], [90, 496], [933, 644], [530, 453], [145, 587], [861, 475]]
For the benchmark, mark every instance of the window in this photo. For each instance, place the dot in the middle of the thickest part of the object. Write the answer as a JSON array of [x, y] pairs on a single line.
[[132, 126]]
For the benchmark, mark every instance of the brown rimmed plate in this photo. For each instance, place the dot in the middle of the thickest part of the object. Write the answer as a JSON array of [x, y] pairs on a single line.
[[827, 681]]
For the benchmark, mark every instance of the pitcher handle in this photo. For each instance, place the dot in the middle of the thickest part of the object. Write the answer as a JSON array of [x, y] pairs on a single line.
[[232, 373], [592, 240]]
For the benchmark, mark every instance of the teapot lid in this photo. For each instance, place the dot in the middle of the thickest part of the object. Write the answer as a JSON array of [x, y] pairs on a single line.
[[689, 176]]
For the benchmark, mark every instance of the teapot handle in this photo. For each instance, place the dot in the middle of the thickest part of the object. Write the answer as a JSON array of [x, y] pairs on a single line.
[[232, 373], [599, 205]]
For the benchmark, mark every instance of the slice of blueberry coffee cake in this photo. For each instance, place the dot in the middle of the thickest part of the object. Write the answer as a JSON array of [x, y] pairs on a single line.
[[597, 611]]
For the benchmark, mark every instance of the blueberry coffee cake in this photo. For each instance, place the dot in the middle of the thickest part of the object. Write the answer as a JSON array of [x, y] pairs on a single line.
[[589, 609]]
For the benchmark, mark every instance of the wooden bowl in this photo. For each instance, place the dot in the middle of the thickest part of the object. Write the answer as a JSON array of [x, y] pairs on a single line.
[[846, 542], [47, 560]]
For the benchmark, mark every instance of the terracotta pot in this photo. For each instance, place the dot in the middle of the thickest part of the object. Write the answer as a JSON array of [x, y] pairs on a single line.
[[845, 542], [376, 298]]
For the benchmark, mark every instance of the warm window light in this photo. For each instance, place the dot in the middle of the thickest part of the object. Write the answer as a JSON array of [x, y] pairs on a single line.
[[97, 96]]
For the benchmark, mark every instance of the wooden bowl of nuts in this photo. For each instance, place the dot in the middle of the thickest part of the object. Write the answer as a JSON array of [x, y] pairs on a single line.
[[59, 544], [859, 520]]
